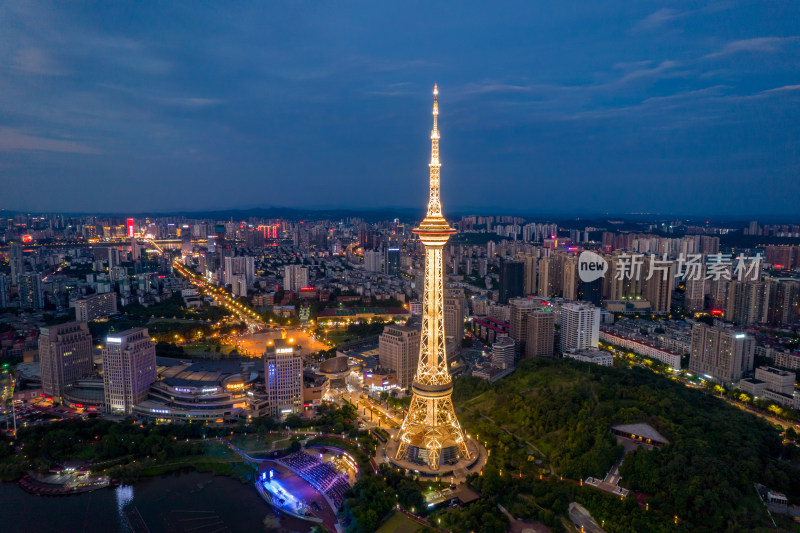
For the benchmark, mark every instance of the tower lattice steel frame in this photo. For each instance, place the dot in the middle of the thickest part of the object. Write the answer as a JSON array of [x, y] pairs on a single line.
[[431, 422]]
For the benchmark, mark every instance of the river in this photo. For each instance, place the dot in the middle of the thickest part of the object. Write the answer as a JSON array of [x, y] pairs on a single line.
[[181, 503]]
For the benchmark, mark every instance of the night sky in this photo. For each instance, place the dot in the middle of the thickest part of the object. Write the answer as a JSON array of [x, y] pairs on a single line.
[[548, 107]]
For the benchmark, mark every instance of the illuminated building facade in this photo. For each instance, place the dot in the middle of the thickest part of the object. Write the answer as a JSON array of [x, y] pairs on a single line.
[[208, 391], [283, 373], [129, 368], [431, 434], [65, 354]]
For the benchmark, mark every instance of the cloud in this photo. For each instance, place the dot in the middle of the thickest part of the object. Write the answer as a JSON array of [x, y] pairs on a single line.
[[494, 87], [753, 46], [648, 72], [12, 140], [657, 19], [785, 88], [36, 61], [192, 102]]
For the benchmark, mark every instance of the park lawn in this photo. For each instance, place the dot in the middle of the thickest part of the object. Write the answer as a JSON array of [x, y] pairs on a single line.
[[399, 523], [253, 443]]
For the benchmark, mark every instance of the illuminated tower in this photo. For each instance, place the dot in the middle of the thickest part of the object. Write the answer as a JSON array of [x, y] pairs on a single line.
[[431, 433]]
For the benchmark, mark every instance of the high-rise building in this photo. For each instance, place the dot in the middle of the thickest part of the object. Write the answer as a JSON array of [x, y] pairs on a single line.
[[373, 261], [592, 292], [540, 334], [530, 265], [694, 296], [503, 352], [391, 261], [398, 350], [455, 312], [95, 306], [136, 251], [129, 225], [244, 265], [658, 289], [4, 290], [779, 256], [580, 326], [295, 277], [431, 434], [747, 302], [543, 281], [721, 354], [129, 368], [784, 301], [16, 262], [113, 257], [512, 274], [569, 283], [30, 291], [519, 308], [65, 354], [283, 371]]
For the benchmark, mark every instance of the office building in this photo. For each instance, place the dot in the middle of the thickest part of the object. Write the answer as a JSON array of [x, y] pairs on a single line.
[[539, 341], [512, 274], [580, 326], [721, 354], [65, 355], [391, 261], [283, 371], [129, 368], [503, 353], [398, 350], [776, 380], [591, 355], [95, 306]]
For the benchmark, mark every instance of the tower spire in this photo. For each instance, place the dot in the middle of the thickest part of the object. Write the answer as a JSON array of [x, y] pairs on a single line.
[[435, 202]]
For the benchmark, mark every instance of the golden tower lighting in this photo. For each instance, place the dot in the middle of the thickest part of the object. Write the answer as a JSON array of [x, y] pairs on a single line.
[[431, 429]]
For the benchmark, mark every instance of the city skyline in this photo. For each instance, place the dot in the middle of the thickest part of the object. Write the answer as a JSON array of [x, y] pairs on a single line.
[[604, 109]]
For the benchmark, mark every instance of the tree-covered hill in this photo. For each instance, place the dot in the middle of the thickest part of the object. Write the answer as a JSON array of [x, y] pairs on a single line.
[[556, 414]]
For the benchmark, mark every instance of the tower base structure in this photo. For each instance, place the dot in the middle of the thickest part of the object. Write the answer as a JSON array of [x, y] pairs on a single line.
[[453, 465]]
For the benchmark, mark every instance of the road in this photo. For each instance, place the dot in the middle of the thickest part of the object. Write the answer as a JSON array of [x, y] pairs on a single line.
[[583, 520], [220, 296]]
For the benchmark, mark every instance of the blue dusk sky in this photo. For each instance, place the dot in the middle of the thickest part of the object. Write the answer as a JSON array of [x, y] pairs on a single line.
[[549, 107]]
